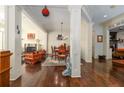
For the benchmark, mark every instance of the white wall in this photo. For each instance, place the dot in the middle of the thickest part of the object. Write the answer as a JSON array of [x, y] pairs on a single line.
[[52, 39], [98, 46], [86, 38], [28, 26], [106, 49], [121, 36], [2, 26], [14, 40]]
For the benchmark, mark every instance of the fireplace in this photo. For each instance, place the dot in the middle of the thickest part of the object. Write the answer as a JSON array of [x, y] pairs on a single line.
[[30, 47]]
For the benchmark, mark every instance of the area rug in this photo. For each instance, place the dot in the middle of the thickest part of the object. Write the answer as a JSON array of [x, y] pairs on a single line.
[[52, 62]]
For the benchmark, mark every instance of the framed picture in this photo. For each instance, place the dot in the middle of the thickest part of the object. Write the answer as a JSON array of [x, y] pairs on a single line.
[[31, 36], [99, 38]]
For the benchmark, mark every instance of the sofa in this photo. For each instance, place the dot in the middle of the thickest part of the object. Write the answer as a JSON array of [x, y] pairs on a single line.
[[34, 57]]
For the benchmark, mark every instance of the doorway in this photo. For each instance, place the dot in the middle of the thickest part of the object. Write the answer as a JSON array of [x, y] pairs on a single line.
[[117, 44]]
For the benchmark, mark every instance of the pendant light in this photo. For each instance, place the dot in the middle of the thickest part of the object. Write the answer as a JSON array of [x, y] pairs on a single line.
[[60, 36], [45, 11]]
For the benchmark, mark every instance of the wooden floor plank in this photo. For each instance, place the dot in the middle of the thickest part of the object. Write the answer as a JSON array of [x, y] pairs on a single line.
[[95, 74]]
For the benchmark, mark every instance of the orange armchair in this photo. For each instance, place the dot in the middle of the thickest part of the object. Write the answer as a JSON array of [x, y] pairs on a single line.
[[34, 57]]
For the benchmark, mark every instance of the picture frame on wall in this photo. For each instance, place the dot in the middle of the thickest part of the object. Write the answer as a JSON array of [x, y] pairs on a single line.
[[31, 36], [99, 38]]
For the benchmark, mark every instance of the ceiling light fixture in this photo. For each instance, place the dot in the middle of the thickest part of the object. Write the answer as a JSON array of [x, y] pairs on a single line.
[[45, 11], [105, 16]]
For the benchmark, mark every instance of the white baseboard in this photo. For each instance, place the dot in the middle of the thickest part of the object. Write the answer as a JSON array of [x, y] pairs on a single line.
[[16, 77], [13, 79]]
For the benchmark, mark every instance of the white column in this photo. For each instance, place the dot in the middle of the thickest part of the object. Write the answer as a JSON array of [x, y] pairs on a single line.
[[108, 51], [89, 44], [14, 40], [86, 35], [75, 30]]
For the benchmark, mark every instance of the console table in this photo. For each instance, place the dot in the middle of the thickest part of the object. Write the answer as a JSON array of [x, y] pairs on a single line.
[[4, 68]]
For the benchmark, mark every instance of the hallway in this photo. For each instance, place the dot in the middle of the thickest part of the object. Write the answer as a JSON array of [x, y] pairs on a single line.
[[62, 34], [98, 74]]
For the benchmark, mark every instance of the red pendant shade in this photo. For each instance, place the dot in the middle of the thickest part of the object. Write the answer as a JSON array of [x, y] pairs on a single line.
[[45, 11]]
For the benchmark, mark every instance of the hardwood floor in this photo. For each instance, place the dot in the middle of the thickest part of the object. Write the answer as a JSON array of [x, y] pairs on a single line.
[[96, 74]]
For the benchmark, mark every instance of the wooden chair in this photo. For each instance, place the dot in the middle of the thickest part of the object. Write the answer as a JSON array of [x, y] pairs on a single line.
[[56, 51], [65, 46], [62, 55], [68, 50], [52, 49]]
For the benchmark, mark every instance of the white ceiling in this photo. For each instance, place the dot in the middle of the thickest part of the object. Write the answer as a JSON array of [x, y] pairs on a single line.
[[97, 12], [58, 14]]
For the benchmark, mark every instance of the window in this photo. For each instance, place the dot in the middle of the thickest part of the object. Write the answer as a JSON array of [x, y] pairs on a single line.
[[2, 26]]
